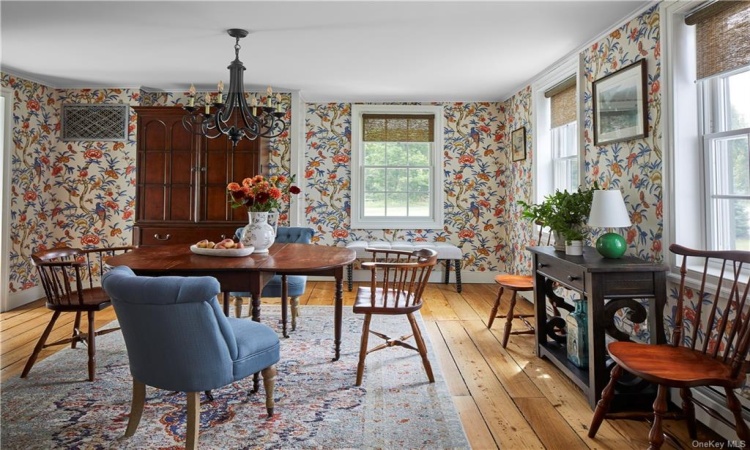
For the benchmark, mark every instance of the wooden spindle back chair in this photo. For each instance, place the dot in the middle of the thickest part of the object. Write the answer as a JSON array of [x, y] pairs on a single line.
[[71, 279], [397, 283], [709, 345]]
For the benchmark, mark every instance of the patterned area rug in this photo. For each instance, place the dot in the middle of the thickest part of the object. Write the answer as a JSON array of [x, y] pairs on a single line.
[[317, 404]]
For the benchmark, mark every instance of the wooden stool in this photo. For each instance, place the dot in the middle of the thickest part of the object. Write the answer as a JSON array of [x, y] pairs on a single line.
[[515, 283]]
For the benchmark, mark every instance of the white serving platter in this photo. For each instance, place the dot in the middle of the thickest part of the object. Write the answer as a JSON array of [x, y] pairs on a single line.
[[225, 252]]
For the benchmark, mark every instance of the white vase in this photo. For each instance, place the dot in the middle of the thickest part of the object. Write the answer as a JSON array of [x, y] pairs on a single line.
[[258, 233], [574, 248], [273, 220]]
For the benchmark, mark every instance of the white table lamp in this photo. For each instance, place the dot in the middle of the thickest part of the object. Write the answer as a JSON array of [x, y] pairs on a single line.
[[608, 211]]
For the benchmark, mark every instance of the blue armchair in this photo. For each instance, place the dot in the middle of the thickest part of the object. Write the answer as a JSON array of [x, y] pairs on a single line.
[[178, 339], [295, 283]]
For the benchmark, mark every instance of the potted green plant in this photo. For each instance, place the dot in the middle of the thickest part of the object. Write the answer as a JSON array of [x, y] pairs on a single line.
[[564, 213]]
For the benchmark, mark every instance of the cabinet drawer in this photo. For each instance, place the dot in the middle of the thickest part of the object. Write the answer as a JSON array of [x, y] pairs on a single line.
[[570, 275], [181, 235]]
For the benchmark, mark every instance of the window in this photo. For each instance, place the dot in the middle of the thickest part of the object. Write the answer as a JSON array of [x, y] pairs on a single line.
[[712, 175], [557, 161], [396, 167], [726, 148]]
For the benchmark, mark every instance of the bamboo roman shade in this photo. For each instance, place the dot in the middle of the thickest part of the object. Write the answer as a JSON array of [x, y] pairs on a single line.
[[398, 128], [722, 37], [562, 102]]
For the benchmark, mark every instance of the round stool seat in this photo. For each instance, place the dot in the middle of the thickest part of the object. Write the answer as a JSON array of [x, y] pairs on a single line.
[[515, 282]]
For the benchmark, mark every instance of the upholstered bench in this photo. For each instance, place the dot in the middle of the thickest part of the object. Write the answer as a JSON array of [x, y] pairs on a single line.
[[446, 252]]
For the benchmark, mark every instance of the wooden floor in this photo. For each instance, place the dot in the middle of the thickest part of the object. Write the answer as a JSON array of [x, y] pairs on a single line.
[[507, 398]]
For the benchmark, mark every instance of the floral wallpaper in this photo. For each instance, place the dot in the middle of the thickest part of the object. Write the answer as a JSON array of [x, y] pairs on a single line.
[[80, 193], [475, 187], [517, 176], [635, 166]]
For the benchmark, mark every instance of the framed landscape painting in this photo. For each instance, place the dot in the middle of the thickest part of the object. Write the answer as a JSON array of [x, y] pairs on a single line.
[[620, 105], [518, 144]]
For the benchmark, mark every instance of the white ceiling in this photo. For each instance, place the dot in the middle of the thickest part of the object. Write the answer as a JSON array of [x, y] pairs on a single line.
[[328, 51]]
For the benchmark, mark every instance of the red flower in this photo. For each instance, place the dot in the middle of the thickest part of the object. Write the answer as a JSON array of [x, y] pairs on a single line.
[[260, 194], [33, 105], [339, 234], [90, 239], [29, 196]]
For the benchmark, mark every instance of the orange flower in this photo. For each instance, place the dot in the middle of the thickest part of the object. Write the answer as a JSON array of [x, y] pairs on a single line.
[[260, 194]]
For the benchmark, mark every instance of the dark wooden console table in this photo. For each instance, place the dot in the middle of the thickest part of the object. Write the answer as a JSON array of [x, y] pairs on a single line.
[[608, 285]]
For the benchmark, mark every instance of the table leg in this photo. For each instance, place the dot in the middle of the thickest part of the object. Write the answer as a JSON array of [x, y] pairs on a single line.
[[338, 312], [284, 295], [255, 301], [227, 298]]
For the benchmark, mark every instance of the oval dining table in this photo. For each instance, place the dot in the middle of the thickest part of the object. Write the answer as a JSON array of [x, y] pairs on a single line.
[[248, 273]]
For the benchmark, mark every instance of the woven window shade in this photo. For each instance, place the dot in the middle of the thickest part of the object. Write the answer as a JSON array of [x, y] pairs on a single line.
[[722, 37], [398, 128], [563, 106]]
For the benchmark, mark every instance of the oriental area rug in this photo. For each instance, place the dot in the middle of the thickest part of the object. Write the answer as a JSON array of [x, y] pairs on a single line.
[[317, 404]]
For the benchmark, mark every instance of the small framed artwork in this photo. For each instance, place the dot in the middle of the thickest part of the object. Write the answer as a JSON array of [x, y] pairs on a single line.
[[620, 105], [518, 144]]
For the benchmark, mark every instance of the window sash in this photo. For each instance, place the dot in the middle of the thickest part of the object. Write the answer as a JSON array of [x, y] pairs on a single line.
[[419, 207]]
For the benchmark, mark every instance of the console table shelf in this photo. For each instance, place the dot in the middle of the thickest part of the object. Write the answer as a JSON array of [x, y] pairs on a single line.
[[607, 285]]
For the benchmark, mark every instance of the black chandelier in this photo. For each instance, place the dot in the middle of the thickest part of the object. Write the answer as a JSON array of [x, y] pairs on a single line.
[[234, 118]]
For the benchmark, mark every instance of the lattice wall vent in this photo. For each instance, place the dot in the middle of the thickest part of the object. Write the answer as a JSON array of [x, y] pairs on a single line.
[[97, 122]]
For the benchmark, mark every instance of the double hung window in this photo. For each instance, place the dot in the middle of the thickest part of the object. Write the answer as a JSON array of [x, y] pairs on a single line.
[[396, 167]]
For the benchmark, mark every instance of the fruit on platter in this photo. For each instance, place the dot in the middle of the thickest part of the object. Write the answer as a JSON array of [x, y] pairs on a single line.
[[229, 244], [224, 244], [205, 243]]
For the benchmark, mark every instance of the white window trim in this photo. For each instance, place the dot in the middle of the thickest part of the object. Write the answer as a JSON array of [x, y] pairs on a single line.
[[358, 221], [542, 156]]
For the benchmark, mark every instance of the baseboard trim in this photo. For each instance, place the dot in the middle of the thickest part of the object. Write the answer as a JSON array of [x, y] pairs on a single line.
[[21, 298]]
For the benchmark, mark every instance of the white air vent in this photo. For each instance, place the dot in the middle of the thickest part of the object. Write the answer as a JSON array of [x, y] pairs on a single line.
[[98, 122]]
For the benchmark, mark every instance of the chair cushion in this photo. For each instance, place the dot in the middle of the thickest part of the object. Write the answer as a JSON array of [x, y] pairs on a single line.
[[295, 286], [258, 347], [445, 250]]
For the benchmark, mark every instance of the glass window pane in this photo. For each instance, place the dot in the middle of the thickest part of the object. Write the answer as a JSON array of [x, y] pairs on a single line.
[[374, 153], [374, 204], [419, 180], [730, 166], [396, 153], [374, 180], [419, 154], [397, 180], [396, 205], [419, 204], [739, 107], [730, 224]]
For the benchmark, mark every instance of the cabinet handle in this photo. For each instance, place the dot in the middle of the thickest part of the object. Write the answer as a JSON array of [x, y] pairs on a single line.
[[572, 278], [542, 265], [223, 236], [158, 237]]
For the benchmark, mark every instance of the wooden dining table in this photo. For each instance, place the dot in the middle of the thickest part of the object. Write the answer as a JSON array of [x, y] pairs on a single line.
[[248, 273]]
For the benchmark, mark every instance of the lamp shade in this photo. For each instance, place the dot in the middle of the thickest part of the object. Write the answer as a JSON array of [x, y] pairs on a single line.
[[608, 210]]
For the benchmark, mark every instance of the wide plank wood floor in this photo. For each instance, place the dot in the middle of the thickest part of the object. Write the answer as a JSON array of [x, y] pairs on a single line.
[[507, 398]]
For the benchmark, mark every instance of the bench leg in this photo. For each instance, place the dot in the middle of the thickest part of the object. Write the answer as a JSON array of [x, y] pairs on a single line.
[[349, 270], [457, 263], [447, 271]]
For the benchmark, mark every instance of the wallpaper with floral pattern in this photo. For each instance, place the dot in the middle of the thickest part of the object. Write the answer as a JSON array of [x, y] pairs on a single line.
[[79, 194], [634, 166], [475, 189]]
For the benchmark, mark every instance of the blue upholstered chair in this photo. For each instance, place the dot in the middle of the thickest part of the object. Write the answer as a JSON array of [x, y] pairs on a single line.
[[178, 339], [295, 283]]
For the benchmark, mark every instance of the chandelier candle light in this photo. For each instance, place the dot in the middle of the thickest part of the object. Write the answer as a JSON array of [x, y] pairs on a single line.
[[234, 118], [608, 211]]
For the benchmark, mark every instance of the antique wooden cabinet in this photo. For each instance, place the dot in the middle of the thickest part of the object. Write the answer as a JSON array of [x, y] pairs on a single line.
[[182, 177]]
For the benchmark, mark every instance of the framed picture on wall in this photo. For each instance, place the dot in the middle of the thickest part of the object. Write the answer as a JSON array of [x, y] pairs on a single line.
[[620, 105], [518, 144]]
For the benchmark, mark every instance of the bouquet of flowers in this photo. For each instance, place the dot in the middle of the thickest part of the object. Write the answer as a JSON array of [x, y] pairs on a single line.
[[261, 194]]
